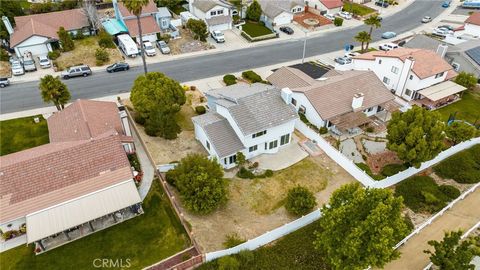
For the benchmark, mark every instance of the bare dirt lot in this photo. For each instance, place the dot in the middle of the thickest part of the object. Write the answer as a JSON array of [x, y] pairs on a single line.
[[5, 69], [187, 44]]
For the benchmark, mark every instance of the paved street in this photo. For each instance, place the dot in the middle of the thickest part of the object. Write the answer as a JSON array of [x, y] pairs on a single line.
[[24, 96]]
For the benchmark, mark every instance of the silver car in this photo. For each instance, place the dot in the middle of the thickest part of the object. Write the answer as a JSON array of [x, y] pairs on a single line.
[[29, 64], [163, 47], [76, 71], [17, 68], [44, 61]]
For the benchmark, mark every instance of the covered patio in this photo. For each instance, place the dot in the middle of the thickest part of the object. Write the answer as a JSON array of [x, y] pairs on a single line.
[[349, 123], [439, 95]]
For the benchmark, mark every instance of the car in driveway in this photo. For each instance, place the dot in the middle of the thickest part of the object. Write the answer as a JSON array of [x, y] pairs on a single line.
[[351, 54], [44, 62], [382, 3], [163, 47], [287, 30], [442, 32], [449, 27], [119, 66], [17, 68], [4, 82], [388, 46], [426, 19], [76, 71], [29, 64], [388, 35], [329, 16], [343, 60], [218, 36], [345, 15], [149, 49]]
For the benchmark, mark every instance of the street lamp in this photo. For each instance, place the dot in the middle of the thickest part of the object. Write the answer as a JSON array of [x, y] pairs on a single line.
[[304, 45]]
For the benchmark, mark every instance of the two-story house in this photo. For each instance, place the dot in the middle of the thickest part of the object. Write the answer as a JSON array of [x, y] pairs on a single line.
[[252, 119], [216, 14]]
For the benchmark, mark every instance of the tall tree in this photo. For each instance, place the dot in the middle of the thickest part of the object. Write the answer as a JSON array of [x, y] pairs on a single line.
[[415, 135], [254, 11], [460, 131], [363, 37], [52, 89], [65, 40], [467, 80], [198, 28], [89, 9], [359, 227], [135, 7], [451, 253], [9, 9], [373, 21], [157, 99]]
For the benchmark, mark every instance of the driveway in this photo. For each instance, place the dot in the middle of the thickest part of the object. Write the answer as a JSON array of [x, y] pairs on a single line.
[[233, 41]]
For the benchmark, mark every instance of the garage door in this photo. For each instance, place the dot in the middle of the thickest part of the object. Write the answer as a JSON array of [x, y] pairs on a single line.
[[219, 27], [40, 49], [284, 18]]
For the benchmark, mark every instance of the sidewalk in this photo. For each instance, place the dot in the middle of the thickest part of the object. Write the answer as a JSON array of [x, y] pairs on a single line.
[[462, 215]]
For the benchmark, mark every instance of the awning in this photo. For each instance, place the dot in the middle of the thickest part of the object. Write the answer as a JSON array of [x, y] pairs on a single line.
[[78, 211], [441, 90], [350, 120], [391, 106], [114, 27]]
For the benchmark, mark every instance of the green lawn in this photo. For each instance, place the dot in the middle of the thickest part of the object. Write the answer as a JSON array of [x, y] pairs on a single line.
[[255, 29], [357, 9], [22, 133], [178, 9], [468, 108], [143, 240]]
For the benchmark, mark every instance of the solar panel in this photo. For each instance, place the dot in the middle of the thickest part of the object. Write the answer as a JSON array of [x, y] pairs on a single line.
[[474, 53]]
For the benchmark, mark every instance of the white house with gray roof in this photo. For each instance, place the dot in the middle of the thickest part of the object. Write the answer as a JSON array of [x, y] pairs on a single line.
[[252, 119], [216, 14]]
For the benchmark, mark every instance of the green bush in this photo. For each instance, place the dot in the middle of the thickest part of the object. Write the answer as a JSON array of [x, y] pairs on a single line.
[[364, 167], [268, 173], [370, 129], [408, 222], [105, 40], [54, 54], [323, 130], [200, 109], [229, 79], [4, 55], [134, 162], [251, 76], [300, 201], [338, 21], [245, 173], [461, 167], [79, 35], [228, 263], [233, 240], [451, 191], [102, 56], [139, 119], [392, 169]]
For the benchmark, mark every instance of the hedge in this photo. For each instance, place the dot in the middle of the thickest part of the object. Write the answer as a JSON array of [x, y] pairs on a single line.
[[392, 169], [200, 109], [229, 79], [463, 167], [251, 76]]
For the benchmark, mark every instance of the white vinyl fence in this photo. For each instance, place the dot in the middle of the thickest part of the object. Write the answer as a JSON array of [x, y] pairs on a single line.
[[266, 237], [363, 177]]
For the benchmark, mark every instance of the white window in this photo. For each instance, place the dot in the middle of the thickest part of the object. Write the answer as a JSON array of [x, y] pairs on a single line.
[[386, 80], [220, 12], [302, 109], [213, 13], [232, 159], [395, 69], [285, 139], [253, 148], [408, 92], [258, 134], [273, 144]]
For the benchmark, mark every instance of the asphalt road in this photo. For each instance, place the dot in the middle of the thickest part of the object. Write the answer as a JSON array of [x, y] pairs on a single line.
[[24, 96]]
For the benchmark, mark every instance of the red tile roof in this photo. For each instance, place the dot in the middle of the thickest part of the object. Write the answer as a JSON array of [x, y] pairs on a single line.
[[474, 18], [149, 26], [83, 120], [332, 3], [47, 24], [151, 7], [427, 63]]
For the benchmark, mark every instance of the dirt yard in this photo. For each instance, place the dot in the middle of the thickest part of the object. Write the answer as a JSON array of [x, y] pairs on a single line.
[[187, 44], [256, 206], [5, 70]]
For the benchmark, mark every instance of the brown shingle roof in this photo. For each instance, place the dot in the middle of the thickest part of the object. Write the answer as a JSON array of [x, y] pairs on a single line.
[[474, 18], [290, 77], [47, 24], [151, 7], [427, 63], [43, 176], [149, 26], [84, 119]]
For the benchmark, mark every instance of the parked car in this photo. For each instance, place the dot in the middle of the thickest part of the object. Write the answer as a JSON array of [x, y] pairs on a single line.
[[388, 46], [345, 15], [442, 32], [343, 60], [76, 71], [388, 35], [163, 47], [29, 64], [287, 30], [17, 68], [4, 82], [149, 49], [382, 3], [449, 27], [44, 61], [426, 19], [351, 54], [446, 4], [119, 66], [329, 16], [217, 36]]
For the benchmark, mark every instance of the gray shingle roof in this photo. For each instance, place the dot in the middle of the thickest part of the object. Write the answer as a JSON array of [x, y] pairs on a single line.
[[217, 20], [273, 8], [290, 77], [206, 5], [423, 42], [239, 90]]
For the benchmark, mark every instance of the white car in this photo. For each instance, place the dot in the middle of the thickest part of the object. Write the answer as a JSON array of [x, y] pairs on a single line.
[[149, 49], [443, 32], [426, 19], [329, 16], [17, 68], [388, 46], [44, 61], [345, 15], [351, 54], [218, 36]]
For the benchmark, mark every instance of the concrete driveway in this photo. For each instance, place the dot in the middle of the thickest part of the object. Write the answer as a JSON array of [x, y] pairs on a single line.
[[233, 41], [284, 158]]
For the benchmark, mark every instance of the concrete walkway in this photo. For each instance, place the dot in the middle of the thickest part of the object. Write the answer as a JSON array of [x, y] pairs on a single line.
[[145, 164], [463, 215]]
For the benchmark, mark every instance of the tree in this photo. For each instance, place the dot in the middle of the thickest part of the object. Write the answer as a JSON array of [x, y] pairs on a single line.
[[9, 9], [158, 99], [200, 183], [171, 4], [198, 28], [241, 159], [460, 131], [254, 11], [374, 22], [52, 89], [360, 227], [65, 40], [467, 80], [300, 201], [363, 37], [450, 254], [90, 11], [135, 7], [415, 135]]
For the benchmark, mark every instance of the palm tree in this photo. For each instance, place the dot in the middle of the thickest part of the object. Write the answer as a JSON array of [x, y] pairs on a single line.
[[363, 37], [373, 21], [135, 7], [52, 89]]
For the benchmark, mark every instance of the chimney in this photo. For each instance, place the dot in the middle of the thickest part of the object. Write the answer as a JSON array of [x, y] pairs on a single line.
[[8, 25], [286, 95], [442, 50], [357, 101]]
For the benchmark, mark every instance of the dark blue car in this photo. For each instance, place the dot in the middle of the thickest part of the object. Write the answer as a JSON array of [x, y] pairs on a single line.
[[446, 4]]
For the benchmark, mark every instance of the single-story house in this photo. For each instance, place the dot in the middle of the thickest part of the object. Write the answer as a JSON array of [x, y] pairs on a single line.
[[252, 119], [148, 20], [37, 34], [465, 57], [216, 14], [77, 184], [324, 6], [275, 13]]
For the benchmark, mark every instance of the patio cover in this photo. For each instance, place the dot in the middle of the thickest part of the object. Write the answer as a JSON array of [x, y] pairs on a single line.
[[350, 120], [391, 106], [75, 212], [441, 90], [114, 27]]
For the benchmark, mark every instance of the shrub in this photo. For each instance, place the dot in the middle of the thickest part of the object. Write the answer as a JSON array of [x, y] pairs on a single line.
[[409, 223], [338, 21], [4, 55], [228, 263], [246, 256], [461, 167], [134, 162], [65, 40], [254, 11], [166, 38], [101, 55], [300, 201], [54, 54], [370, 129], [105, 40], [392, 169], [198, 29], [233, 240], [251, 76], [200, 109], [451, 191], [229, 79], [79, 35], [364, 167], [139, 119], [323, 130], [245, 173], [268, 173]]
